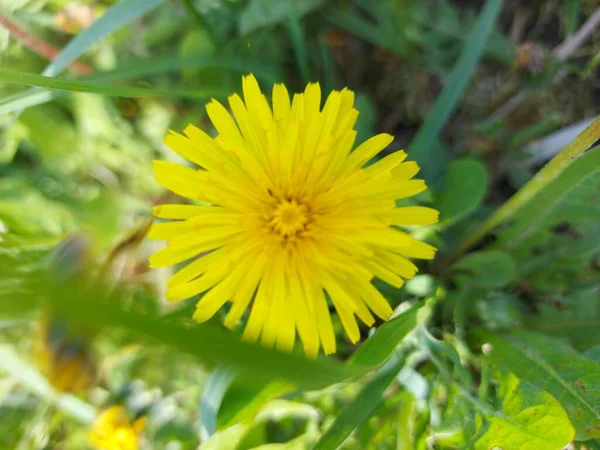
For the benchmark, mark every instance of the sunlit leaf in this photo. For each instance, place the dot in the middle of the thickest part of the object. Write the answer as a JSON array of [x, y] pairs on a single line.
[[553, 366], [528, 418]]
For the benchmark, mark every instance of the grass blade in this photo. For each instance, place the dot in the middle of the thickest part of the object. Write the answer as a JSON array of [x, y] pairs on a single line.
[[420, 148], [361, 408], [540, 181], [114, 18], [138, 69], [212, 396], [570, 198], [299, 42], [97, 88]]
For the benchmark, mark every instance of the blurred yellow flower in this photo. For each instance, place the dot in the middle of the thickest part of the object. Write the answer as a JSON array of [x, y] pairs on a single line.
[[286, 215], [113, 430], [64, 355]]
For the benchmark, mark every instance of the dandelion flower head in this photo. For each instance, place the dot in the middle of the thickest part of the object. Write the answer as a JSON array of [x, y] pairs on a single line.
[[113, 430], [287, 217]]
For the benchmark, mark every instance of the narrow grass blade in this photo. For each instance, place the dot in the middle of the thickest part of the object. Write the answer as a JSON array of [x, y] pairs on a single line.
[[139, 69], [97, 88], [299, 42], [114, 18], [212, 396], [361, 408], [535, 186], [420, 148]]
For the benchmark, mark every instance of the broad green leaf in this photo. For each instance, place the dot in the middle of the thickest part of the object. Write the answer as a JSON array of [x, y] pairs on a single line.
[[553, 366], [32, 79], [261, 13], [466, 182], [576, 318], [536, 186], [208, 343], [419, 149], [382, 344], [361, 408], [227, 439], [486, 268], [244, 400], [115, 17], [529, 418], [572, 198], [212, 396]]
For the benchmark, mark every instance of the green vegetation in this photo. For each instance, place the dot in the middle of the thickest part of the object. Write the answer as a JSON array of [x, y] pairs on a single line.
[[494, 344]]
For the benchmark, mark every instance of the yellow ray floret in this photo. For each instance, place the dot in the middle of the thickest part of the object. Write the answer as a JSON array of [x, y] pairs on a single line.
[[288, 218]]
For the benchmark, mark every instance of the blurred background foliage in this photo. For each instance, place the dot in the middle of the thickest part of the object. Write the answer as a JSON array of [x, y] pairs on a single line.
[[481, 94]]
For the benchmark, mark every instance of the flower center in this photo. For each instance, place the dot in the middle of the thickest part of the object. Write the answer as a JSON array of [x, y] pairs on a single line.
[[289, 218]]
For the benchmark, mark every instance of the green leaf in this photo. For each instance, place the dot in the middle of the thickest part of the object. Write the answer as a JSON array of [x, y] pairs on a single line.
[[465, 187], [365, 124], [32, 79], [553, 366], [361, 408], [571, 198], [142, 68], [207, 342], [358, 26], [382, 344], [576, 318], [298, 38], [228, 439], [594, 353], [571, 16], [529, 418], [243, 400], [261, 13], [445, 105], [115, 17], [551, 171], [212, 396], [486, 268], [406, 421], [11, 364], [20, 206]]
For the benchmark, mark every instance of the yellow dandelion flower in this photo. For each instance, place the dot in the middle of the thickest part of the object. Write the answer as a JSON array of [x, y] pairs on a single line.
[[286, 216], [113, 430]]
